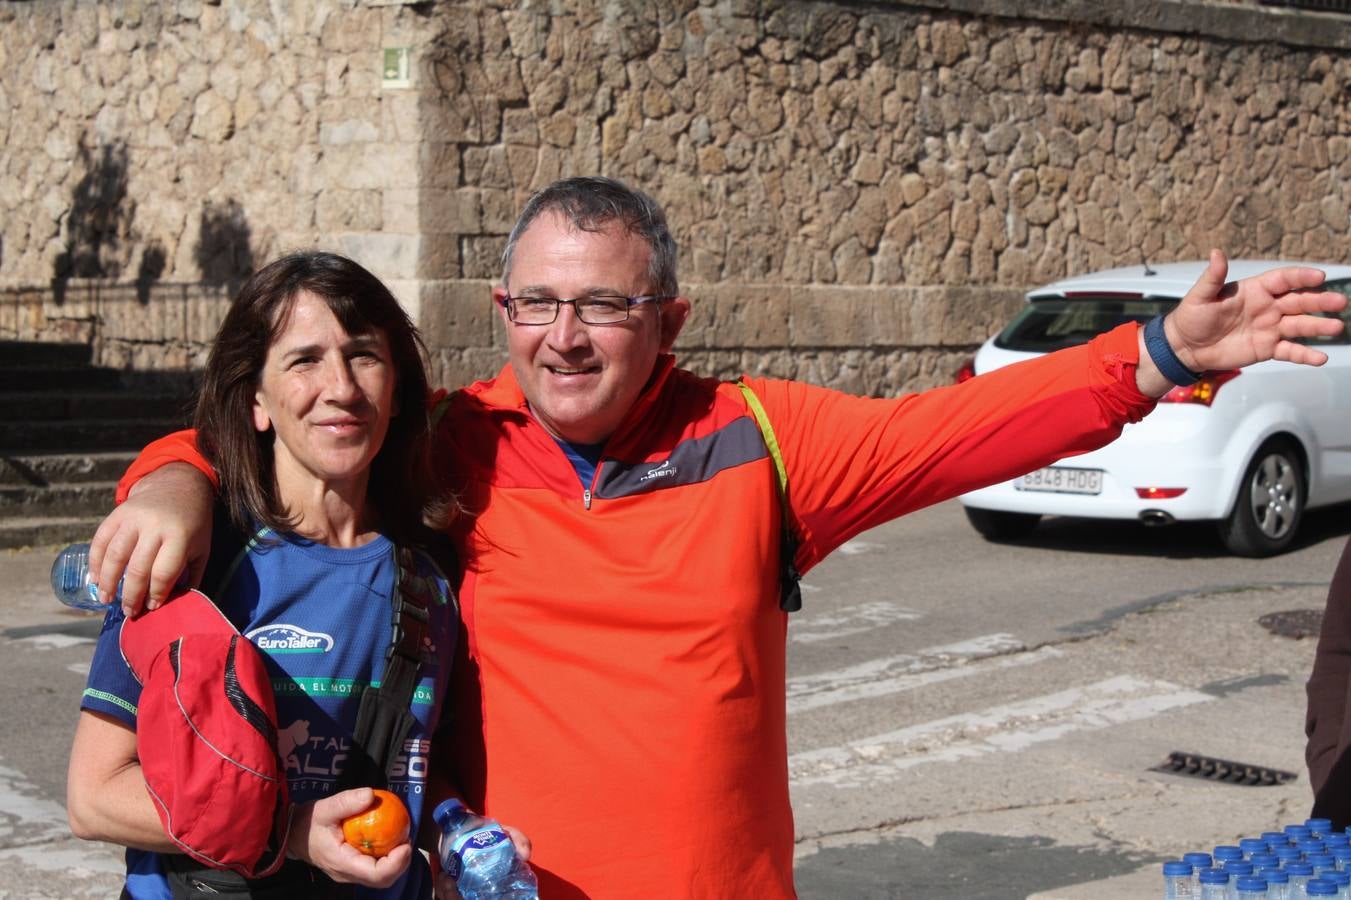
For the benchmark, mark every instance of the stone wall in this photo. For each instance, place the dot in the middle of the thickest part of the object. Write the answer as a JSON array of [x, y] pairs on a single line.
[[162, 151], [861, 192]]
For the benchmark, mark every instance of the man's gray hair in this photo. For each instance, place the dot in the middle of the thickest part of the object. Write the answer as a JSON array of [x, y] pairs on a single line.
[[592, 204]]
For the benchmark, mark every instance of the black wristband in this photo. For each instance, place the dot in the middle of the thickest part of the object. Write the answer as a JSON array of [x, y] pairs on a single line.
[[1156, 342]]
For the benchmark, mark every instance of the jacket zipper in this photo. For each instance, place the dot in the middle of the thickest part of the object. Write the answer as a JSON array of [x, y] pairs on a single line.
[[586, 497]]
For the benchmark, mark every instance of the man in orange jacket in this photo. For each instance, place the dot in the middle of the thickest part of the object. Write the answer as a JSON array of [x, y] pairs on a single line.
[[625, 666]]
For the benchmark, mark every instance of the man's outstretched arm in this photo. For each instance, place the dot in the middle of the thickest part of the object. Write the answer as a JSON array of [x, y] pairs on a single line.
[[162, 527]]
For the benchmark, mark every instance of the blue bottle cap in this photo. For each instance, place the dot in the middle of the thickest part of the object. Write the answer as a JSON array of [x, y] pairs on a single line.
[[1214, 876], [1265, 858], [1340, 852], [1238, 867], [1276, 876], [1321, 860], [1275, 838], [445, 809], [1225, 851], [1177, 867], [1198, 860], [1298, 867], [1252, 845], [1310, 845], [1252, 883], [1297, 831], [1288, 853], [1336, 839], [1336, 875], [1318, 825], [1320, 887]]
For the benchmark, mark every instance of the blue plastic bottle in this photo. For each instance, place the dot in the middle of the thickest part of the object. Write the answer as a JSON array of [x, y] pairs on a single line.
[[1320, 887], [1197, 861], [1251, 887], [1318, 827], [1214, 884], [1177, 880], [1278, 884], [478, 854], [1249, 846], [1300, 874], [71, 582]]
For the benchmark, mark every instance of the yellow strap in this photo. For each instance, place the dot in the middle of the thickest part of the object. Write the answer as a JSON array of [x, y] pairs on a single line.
[[767, 430]]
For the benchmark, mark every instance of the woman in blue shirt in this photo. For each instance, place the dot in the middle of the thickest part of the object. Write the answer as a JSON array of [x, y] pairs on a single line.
[[312, 410]]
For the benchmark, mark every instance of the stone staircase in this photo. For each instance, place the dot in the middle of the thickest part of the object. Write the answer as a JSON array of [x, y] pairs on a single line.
[[69, 430]]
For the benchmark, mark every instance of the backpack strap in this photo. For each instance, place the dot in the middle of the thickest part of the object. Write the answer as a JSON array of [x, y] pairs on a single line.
[[385, 717], [790, 589]]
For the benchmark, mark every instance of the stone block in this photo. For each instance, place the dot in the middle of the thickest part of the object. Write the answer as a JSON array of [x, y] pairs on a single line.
[[388, 256], [350, 210], [399, 210], [831, 316], [729, 315], [456, 314]]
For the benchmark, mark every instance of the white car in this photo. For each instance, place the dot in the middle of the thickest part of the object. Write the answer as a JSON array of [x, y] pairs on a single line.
[[1250, 449]]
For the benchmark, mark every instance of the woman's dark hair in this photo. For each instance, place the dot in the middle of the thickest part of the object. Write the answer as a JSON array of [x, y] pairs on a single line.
[[401, 478]]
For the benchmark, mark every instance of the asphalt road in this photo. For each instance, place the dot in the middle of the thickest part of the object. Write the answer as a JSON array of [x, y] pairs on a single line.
[[965, 719]]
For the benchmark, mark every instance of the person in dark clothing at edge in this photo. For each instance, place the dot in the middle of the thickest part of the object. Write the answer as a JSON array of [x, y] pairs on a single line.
[[1326, 724]]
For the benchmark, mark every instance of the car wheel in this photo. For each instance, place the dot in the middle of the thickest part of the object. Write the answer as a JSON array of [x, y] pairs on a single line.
[[1001, 526], [1270, 503]]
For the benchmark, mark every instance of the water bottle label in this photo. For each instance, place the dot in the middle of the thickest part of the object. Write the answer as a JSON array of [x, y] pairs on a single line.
[[466, 846]]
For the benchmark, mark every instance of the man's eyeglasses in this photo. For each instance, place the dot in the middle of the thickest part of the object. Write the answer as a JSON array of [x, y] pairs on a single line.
[[597, 309]]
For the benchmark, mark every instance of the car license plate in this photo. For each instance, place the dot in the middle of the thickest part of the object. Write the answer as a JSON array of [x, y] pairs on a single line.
[[1062, 480]]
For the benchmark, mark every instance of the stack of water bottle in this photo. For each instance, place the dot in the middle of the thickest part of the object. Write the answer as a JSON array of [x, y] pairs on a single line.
[[1302, 862]]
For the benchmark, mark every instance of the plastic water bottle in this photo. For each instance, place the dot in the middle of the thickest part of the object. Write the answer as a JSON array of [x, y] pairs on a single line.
[[71, 581], [1214, 884], [1249, 846], [1320, 887], [1288, 854], [1198, 861], [1278, 884], [1318, 827], [1300, 874], [1264, 860], [479, 855], [1343, 857], [1339, 878], [1226, 853], [1177, 880], [1251, 887], [1275, 839]]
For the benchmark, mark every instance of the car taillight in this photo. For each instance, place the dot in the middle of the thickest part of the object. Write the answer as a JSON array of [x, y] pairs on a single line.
[[1159, 493], [966, 372], [1203, 392]]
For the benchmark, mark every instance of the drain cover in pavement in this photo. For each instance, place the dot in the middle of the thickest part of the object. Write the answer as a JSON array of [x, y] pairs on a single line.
[[1293, 623], [1226, 770]]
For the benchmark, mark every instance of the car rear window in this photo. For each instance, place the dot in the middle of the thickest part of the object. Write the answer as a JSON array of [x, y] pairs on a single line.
[[1051, 323]]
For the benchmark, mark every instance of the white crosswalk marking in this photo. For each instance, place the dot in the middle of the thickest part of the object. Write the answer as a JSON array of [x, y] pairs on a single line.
[[891, 674], [882, 758], [56, 641], [850, 620]]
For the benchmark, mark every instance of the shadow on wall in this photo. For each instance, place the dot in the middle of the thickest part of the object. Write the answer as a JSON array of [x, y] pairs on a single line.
[[223, 253], [151, 268], [99, 219]]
